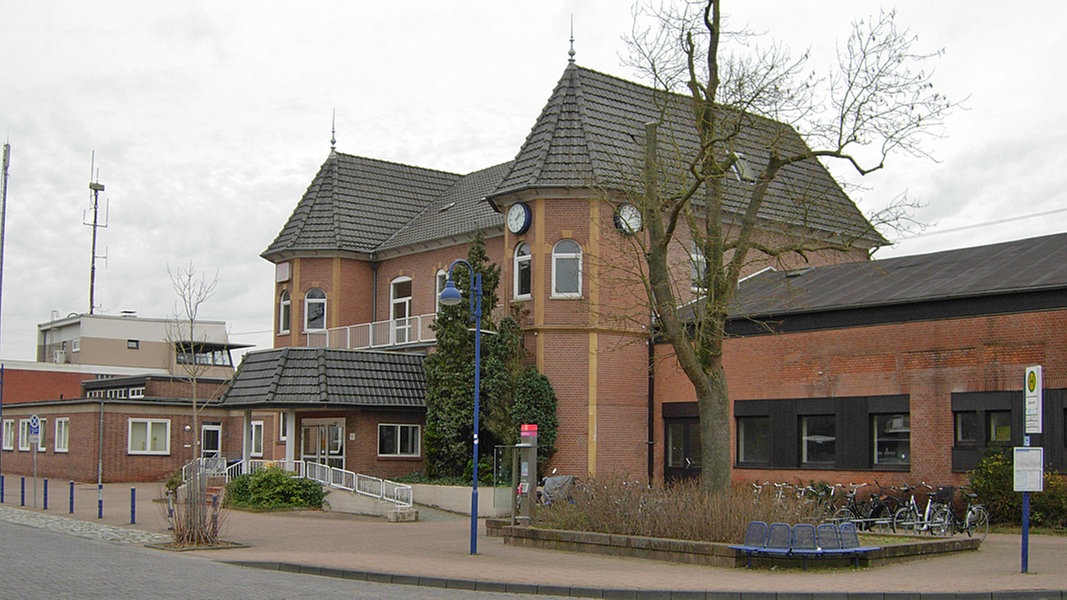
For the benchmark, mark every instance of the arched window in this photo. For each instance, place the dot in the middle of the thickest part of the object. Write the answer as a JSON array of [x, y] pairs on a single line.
[[315, 310], [285, 312], [566, 269], [522, 271], [400, 311]]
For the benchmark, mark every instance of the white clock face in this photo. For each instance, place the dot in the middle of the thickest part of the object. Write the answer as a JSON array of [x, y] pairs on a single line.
[[518, 218], [628, 219]]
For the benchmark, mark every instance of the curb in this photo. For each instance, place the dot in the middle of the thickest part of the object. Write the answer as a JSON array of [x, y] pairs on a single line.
[[631, 594]]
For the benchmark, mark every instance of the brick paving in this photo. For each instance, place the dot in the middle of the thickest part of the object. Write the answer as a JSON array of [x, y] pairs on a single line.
[[435, 551]]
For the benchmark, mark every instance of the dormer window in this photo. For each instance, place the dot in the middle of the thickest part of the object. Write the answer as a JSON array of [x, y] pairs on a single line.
[[742, 170]]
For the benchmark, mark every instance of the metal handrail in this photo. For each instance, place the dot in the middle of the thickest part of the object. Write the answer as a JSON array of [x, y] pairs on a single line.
[[382, 489], [378, 334]]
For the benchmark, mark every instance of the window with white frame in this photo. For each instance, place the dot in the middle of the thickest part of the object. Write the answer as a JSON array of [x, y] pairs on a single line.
[[76, 345], [9, 434], [522, 268], [137, 392], [698, 267], [149, 436], [315, 310], [283, 427], [439, 287], [42, 435], [566, 269], [94, 394], [285, 312], [400, 311], [257, 438], [62, 440], [24, 435], [398, 440]]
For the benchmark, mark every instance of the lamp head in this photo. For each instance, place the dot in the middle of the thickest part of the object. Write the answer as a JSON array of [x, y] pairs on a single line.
[[450, 296]]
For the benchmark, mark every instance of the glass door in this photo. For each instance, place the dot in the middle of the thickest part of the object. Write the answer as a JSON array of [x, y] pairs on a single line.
[[322, 442], [682, 449]]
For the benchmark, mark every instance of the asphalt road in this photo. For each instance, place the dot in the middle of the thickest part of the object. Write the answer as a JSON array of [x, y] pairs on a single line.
[[38, 563]]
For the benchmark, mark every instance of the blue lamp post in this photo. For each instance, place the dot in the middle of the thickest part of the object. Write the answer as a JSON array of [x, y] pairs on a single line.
[[450, 296]]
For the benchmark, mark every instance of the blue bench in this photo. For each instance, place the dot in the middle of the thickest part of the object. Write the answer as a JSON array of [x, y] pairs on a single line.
[[802, 541]]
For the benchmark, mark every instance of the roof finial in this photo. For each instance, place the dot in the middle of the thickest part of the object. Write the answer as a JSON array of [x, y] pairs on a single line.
[[333, 132], [570, 53]]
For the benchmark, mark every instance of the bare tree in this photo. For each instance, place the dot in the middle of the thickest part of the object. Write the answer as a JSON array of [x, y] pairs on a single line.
[[698, 187], [195, 524]]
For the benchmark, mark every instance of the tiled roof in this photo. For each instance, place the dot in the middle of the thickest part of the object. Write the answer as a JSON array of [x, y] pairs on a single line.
[[461, 210], [1030, 265], [326, 377], [591, 132], [354, 204]]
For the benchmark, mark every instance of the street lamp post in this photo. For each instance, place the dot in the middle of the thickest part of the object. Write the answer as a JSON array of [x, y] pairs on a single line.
[[450, 296]]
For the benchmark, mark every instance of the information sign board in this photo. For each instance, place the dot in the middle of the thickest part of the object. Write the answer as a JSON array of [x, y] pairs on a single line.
[[1029, 469]]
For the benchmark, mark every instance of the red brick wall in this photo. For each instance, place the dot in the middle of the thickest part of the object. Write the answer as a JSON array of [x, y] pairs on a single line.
[[927, 361], [29, 386]]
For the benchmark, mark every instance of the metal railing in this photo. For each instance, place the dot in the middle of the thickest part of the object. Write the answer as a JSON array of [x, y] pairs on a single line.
[[374, 487], [379, 334]]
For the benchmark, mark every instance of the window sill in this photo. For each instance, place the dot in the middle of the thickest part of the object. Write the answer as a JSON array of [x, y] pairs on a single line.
[[565, 297], [399, 457]]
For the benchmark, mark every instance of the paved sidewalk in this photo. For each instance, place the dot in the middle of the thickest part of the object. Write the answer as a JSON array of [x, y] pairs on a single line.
[[434, 551]]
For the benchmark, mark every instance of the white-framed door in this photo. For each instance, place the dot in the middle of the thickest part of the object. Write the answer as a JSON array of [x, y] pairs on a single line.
[[322, 441]]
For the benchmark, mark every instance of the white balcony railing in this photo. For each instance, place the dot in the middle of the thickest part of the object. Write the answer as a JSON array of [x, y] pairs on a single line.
[[379, 334]]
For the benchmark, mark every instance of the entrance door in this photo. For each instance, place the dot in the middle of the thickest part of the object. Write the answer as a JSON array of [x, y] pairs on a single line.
[[682, 449], [323, 442], [211, 441]]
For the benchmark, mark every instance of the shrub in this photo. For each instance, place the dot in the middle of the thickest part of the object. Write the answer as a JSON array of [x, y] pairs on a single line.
[[680, 511], [273, 488], [993, 481]]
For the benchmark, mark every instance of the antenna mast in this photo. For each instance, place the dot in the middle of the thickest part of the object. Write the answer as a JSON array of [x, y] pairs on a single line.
[[3, 223], [95, 187]]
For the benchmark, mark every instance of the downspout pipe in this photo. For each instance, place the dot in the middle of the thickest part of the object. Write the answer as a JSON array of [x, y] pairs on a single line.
[[651, 409]]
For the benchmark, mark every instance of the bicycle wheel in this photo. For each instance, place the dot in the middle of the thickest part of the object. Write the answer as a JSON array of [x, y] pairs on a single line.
[[941, 522], [905, 519], [880, 519], [844, 515], [978, 522]]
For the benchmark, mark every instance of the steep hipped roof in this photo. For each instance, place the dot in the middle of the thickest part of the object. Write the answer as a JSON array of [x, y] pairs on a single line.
[[324, 377], [591, 133], [1022, 266], [588, 135], [354, 204]]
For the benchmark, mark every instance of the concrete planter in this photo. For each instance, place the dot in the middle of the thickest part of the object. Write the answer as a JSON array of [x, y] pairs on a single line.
[[706, 553]]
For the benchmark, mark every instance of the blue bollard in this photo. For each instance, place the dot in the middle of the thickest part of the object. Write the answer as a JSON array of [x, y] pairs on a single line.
[[133, 506], [72, 497], [45, 493], [1, 489], [100, 501], [22, 492]]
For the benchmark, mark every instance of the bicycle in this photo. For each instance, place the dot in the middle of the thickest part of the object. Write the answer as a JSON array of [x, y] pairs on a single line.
[[909, 518], [975, 519]]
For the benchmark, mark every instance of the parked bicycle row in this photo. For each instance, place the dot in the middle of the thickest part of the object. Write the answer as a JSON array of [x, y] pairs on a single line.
[[916, 509]]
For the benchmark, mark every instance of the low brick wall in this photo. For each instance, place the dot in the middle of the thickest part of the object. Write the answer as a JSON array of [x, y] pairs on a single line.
[[706, 553]]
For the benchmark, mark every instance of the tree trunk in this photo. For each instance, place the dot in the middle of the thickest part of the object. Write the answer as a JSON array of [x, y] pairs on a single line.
[[714, 406]]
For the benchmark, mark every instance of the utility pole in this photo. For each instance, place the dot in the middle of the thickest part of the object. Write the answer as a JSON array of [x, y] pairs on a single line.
[[95, 187]]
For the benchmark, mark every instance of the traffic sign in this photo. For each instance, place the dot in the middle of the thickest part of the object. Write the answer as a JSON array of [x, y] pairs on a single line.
[[1033, 402], [35, 429]]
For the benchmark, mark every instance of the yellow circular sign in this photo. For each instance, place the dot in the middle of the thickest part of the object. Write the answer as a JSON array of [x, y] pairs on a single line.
[[1031, 381]]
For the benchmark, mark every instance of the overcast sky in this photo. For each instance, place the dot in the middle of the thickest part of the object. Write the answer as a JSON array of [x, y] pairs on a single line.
[[209, 118]]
